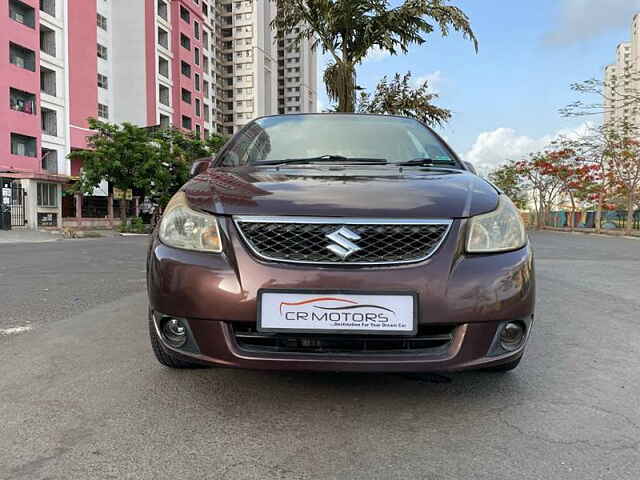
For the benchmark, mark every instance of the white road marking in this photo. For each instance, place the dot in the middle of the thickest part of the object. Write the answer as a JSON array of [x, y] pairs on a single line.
[[15, 330]]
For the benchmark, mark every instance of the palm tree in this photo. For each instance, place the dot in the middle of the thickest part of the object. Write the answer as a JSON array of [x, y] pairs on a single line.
[[349, 29]]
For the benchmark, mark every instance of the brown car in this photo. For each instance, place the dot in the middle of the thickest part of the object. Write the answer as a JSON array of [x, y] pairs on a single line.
[[340, 242]]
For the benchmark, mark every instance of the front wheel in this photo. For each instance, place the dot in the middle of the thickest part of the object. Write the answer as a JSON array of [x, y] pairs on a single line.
[[166, 358]]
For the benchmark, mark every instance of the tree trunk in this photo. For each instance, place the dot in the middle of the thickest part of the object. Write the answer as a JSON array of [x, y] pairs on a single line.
[[628, 226], [346, 102], [572, 220], [598, 218], [123, 211]]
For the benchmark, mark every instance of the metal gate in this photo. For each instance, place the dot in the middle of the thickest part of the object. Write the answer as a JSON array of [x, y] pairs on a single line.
[[12, 204]]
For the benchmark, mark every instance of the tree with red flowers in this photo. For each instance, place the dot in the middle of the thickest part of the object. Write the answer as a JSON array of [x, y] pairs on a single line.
[[623, 158], [576, 176], [592, 148], [544, 186]]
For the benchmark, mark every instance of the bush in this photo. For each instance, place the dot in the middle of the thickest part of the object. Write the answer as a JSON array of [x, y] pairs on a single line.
[[134, 225]]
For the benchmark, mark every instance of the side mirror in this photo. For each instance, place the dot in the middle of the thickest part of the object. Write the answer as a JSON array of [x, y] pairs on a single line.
[[198, 167], [470, 167]]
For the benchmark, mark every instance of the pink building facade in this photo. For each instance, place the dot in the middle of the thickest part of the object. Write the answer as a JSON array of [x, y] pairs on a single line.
[[47, 91], [201, 65]]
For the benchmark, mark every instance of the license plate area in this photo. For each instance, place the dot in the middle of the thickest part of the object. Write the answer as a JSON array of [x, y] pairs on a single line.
[[337, 312]]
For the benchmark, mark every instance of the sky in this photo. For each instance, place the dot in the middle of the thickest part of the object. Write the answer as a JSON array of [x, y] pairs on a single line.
[[505, 99]]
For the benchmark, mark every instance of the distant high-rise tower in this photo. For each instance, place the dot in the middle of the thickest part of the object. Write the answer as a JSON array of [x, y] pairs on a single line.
[[297, 75], [622, 81]]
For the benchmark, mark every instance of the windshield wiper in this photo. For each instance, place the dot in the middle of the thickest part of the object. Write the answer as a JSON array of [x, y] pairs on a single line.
[[426, 162], [323, 158]]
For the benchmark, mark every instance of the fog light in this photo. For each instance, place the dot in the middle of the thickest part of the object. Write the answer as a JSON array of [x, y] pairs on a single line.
[[174, 331], [512, 335]]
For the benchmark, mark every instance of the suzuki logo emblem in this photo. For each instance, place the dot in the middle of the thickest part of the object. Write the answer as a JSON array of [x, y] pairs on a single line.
[[343, 245]]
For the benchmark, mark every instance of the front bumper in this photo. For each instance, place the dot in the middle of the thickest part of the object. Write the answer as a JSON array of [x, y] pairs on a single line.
[[474, 294]]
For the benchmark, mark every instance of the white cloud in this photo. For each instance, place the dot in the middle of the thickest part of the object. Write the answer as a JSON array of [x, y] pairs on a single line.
[[434, 79], [581, 20], [376, 54], [494, 148]]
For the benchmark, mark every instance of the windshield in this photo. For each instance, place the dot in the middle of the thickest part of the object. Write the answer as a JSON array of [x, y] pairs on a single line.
[[321, 137]]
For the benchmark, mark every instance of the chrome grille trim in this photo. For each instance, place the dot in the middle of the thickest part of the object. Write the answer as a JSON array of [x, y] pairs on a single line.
[[341, 221]]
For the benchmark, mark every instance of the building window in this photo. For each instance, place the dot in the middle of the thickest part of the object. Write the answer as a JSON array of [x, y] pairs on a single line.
[[103, 81], [22, 57], [49, 160], [163, 67], [186, 122], [47, 41], [196, 55], [206, 113], [49, 121], [20, 101], [23, 145], [186, 96], [205, 40], [205, 9], [48, 6], [22, 13], [48, 81], [197, 107], [196, 30], [164, 95], [163, 11], [196, 81], [102, 22], [198, 131], [102, 52], [165, 121], [103, 111], [163, 37], [47, 195], [185, 42], [184, 14], [185, 68]]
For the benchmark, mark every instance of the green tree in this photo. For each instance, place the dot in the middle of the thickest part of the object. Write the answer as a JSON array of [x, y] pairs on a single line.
[[349, 29], [399, 97], [119, 154], [156, 162], [508, 179]]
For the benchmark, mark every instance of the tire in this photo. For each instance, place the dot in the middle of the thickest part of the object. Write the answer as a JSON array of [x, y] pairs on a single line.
[[165, 357], [505, 367]]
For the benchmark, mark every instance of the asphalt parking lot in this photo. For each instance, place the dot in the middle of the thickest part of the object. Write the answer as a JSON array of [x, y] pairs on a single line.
[[81, 396]]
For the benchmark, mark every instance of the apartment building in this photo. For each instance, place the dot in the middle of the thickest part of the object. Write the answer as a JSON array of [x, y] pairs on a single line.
[[201, 65], [246, 83], [622, 81], [297, 75], [48, 88]]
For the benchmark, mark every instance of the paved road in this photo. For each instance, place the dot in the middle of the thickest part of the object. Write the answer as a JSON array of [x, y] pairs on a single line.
[[45, 282], [82, 397]]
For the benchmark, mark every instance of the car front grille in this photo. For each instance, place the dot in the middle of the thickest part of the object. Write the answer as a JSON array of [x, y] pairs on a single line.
[[306, 240], [431, 339]]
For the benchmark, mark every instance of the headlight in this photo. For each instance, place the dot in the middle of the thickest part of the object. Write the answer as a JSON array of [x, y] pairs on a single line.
[[497, 231], [182, 227]]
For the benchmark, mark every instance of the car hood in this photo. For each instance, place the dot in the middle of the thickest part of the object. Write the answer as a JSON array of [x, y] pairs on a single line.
[[342, 191]]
